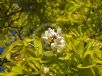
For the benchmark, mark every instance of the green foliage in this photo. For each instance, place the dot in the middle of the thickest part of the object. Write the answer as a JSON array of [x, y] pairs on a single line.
[[26, 53]]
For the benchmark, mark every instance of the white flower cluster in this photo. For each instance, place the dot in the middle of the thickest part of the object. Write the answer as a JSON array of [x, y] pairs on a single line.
[[55, 39], [46, 70]]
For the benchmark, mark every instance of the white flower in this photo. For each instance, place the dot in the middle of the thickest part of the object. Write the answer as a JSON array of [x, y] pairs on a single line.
[[59, 50], [46, 70], [51, 31], [56, 39], [62, 41], [49, 35], [59, 31], [53, 45]]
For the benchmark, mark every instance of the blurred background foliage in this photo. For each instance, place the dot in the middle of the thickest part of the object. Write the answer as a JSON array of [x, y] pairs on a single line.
[[22, 51]]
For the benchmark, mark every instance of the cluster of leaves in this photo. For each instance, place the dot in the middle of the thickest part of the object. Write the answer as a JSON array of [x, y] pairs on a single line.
[[82, 56], [22, 23]]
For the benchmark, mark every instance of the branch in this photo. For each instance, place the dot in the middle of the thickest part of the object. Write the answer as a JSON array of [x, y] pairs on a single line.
[[9, 24], [12, 13], [8, 9], [15, 19]]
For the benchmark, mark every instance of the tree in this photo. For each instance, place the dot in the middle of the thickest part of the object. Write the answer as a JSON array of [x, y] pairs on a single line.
[[23, 23]]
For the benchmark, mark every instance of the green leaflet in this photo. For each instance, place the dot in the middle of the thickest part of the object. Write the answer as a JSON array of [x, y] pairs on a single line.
[[38, 45], [34, 63], [32, 66], [89, 66], [67, 57], [18, 69], [32, 52], [98, 61], [89, 50], [48, 53], [93, 71], [27, 41], [8, 56], [33, 58], [7, 74], [37, 64], [9, 48], [23, 51]]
